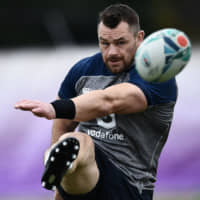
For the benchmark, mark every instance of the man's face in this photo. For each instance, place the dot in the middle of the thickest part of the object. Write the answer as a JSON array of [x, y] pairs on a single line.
[[118, 45]]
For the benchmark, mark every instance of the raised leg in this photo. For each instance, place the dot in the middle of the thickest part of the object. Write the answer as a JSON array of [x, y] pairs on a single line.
[[71, 163]]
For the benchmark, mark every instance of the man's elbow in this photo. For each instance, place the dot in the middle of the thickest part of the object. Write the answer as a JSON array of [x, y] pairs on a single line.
[[107, 106]]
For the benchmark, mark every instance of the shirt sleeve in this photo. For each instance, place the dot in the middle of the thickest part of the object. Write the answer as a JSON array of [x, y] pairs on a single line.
[[68, 86], [156, 93]]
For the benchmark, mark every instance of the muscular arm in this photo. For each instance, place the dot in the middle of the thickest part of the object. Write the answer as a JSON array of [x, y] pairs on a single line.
[[123, 98]]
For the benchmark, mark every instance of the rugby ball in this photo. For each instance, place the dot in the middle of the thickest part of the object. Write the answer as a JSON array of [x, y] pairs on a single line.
[[162, 55]]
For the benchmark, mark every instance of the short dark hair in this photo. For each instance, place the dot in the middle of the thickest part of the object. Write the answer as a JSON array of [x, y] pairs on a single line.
[[116, 13]]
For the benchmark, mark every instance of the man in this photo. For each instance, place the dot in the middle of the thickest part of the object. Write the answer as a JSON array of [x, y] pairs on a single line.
[[123, 121]]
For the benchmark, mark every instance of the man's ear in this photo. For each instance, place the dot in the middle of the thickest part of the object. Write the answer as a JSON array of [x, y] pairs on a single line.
[[140, 37]]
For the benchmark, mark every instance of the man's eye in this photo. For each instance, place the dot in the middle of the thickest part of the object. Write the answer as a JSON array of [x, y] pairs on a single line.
[[121, 42], [105, 43]]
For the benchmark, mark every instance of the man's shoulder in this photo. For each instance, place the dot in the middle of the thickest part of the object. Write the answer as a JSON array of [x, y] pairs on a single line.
[[89, 66], [156, 93]]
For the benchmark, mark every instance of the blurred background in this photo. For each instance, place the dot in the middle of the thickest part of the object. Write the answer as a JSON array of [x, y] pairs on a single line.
[[39, 42]]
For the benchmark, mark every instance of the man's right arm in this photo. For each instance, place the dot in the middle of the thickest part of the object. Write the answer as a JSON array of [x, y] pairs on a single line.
[[61, 126]]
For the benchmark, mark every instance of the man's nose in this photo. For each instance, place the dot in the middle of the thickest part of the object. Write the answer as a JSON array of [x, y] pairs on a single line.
[[113, 50]]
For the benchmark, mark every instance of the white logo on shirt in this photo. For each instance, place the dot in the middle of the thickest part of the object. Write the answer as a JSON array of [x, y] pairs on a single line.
[[86, 90], [108, 135]]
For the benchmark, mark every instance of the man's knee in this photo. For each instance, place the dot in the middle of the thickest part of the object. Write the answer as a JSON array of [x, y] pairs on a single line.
[[84, 166]]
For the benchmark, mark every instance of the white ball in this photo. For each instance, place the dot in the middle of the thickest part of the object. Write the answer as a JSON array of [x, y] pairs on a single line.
[[162, 55]]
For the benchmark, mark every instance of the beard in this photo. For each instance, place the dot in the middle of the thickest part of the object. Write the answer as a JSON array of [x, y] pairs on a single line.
[[118, 64]]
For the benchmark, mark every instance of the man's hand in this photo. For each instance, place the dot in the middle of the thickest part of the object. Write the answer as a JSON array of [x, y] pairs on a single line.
[[38, 108]]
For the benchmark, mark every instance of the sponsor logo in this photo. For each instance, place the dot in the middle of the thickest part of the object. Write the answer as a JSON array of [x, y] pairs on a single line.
[[107, 135]]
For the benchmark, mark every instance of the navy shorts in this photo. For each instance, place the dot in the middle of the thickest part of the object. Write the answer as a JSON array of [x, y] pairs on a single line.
[[112, 184]]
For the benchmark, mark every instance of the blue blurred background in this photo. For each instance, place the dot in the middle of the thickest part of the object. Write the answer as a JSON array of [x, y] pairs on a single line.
[[39, 42]]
